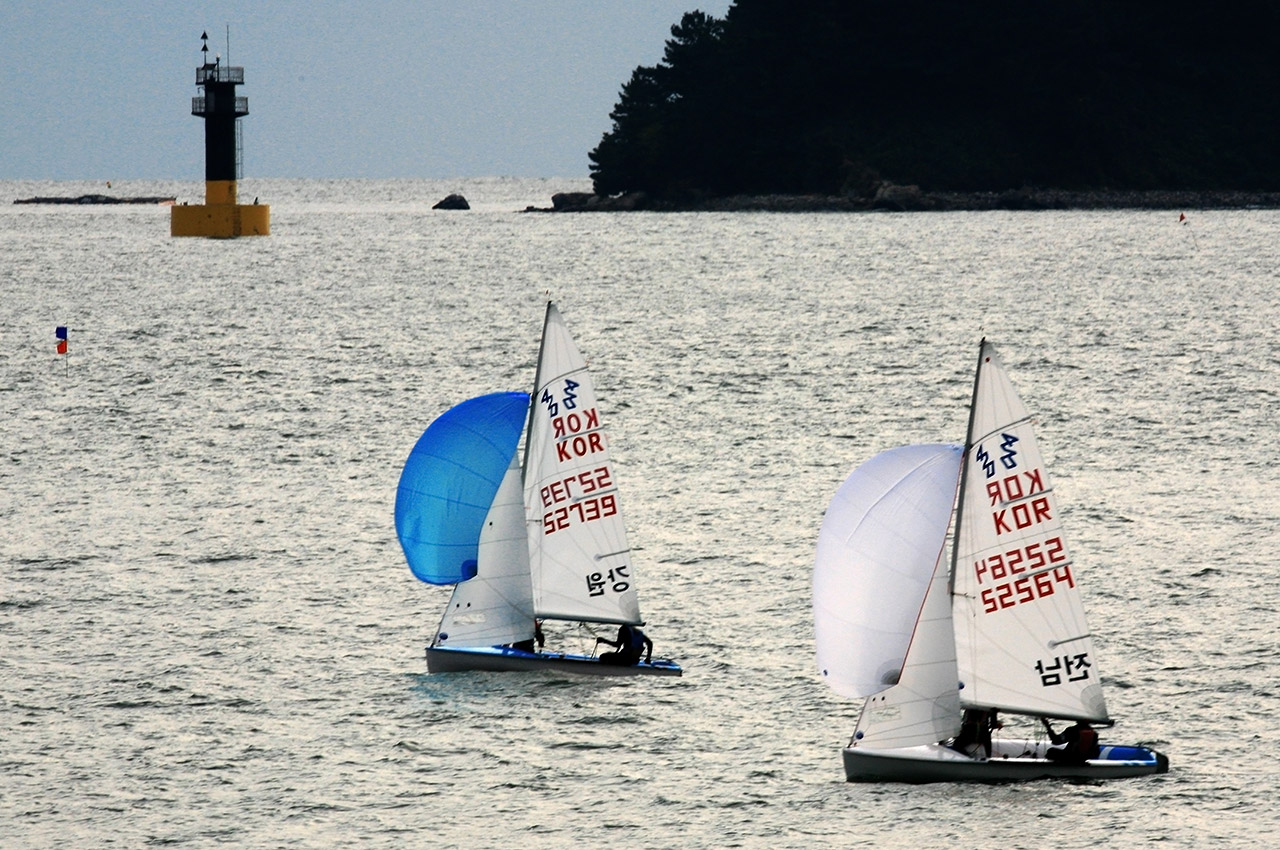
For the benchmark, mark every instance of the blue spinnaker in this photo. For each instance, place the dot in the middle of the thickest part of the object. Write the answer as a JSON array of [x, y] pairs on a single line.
[[449, 482]]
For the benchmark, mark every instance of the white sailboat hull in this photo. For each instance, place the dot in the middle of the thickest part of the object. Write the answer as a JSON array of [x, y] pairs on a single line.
[[507, 659], [1011, 761]]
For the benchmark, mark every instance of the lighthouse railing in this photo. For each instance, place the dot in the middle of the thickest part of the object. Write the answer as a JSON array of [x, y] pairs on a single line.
[[220, 74], [202, 106]]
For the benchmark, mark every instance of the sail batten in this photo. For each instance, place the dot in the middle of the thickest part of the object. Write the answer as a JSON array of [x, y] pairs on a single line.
[[978, 439], [1061, 641]]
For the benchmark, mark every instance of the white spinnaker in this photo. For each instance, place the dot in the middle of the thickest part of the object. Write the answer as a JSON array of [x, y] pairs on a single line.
[[1022, 641], [581, 562], [880, 542], [495, 606]]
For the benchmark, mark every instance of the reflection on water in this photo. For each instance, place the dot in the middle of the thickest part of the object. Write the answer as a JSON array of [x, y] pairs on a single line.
[[209, 635]]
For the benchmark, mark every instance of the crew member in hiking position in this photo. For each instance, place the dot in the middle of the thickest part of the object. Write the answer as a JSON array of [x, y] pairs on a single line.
[[630, 643], [1076, 744]]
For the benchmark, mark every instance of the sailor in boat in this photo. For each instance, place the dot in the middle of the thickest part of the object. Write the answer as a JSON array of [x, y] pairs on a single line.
[[1075, 744], [976, 726], [538, 637], [630, 643]]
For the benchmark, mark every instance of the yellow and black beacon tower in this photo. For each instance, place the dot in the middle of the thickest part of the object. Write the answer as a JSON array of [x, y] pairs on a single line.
[[221, 215]]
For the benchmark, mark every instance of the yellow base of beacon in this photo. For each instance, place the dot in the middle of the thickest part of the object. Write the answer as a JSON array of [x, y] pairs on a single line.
[[220, 216]]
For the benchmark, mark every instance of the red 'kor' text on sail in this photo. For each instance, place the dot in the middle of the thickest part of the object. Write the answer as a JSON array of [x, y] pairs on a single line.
[[1032, 510], [577, 435]]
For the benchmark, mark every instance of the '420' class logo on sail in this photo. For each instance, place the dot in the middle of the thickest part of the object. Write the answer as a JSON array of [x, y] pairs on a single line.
[[577, 433]]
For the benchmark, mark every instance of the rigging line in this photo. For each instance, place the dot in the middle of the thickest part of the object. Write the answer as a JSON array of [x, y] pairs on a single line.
[[584, 626]]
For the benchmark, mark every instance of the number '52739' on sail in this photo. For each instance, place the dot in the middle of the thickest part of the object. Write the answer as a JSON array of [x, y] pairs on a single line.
[[524, 543]]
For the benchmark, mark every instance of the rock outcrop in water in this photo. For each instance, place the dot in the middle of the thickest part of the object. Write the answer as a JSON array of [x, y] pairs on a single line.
[[452, 202], [98, 199]]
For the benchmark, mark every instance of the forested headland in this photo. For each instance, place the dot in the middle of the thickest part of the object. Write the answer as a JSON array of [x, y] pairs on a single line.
[[842, 99]]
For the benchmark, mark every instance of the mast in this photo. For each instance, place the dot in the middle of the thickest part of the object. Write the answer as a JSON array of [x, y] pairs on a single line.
[[533, 397], [964, 470]]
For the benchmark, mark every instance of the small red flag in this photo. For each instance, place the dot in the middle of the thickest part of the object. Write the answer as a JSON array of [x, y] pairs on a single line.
[[61, 334]]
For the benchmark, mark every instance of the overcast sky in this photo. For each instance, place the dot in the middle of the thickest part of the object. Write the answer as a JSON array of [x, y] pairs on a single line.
[[366, 88]]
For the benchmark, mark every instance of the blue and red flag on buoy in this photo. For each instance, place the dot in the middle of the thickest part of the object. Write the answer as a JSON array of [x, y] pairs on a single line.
[[61, 333]]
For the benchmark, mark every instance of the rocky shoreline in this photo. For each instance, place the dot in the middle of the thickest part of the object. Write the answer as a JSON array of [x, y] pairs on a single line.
[[894, 198], [98, 199]]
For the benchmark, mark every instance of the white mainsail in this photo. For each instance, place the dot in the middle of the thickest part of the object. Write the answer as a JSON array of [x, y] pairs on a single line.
[[579, 557], [496, 605], [1022, 642]]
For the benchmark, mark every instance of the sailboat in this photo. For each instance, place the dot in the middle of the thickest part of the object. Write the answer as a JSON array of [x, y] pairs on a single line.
[[999, 627], [521, 542]]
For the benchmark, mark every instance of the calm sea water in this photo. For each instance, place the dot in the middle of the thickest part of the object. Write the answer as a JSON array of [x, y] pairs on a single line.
[[208, 636]]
